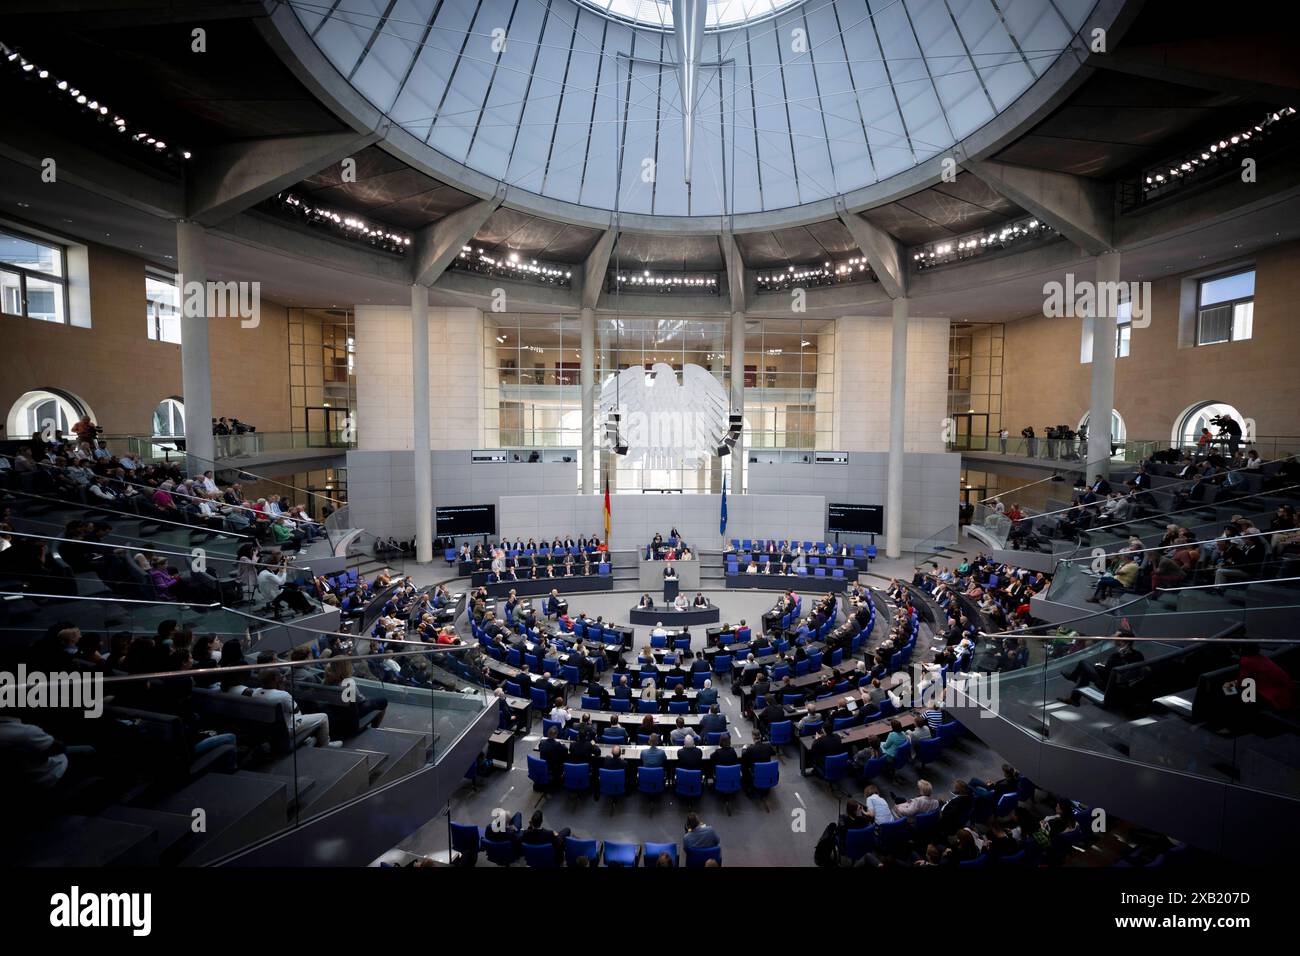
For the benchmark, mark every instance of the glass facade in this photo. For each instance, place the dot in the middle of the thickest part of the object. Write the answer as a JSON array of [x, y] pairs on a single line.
[[322, 385], [974, 383], [532, 395]]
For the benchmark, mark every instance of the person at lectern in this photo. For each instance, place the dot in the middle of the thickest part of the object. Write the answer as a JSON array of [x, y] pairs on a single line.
[[670, 573]]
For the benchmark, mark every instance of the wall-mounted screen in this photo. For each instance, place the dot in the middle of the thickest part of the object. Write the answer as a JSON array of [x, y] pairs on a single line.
[[466, 520], [855, 519]]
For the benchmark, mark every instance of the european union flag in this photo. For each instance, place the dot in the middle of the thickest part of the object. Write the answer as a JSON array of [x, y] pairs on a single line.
[[722, 522]]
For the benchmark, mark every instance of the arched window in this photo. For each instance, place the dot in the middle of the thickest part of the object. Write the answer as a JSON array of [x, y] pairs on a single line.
[[169, 419], [1197, 416], [1118, 430], [42, 406]]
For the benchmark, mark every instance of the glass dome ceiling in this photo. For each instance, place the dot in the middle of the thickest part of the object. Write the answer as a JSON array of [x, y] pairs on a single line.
[[814, 101], [722, 14]]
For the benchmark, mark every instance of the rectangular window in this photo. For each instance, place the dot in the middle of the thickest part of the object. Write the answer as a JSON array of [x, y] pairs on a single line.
[[162, 308], [33, 278], [1123, 329], [1225, 308]]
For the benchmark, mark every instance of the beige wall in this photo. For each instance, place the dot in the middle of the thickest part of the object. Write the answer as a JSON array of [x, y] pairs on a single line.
[[1044, 382], [123, 375]]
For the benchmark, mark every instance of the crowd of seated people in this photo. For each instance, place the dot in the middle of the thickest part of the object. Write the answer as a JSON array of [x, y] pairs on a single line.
[[506, 840], [52, 750], [975, 823], [76, 472], [526, 561], [408, 618], [674, 548]]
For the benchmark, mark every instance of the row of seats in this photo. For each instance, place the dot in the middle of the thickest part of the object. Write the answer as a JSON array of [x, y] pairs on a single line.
[[772, 545], [468, 840], [653, 781]]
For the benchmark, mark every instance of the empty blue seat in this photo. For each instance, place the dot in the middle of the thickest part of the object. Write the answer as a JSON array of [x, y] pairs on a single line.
[[539, 699], [608, 738], [1006, 804], [722, 663], [688, 783], [590, 703], [698, 678], [621, 854], [573, 848], [465, 840], [539, 772], [843, 723], [613, 783], [679, 707], [928, 750], [650, 780], [650, 853], [858, 842], [835, 768], [501, 852], [766, 775], [569, 674], [620, 705], [540, 854], [644, 706], [726, 780], [781, 732], [713, 737], [698, 856], [577, 776], [603, 568]]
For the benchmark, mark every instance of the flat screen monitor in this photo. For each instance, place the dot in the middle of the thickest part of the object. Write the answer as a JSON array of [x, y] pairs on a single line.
[[464, 520], [855, 519]]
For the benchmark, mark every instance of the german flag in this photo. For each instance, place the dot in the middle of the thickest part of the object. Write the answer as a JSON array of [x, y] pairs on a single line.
[[607, 515]]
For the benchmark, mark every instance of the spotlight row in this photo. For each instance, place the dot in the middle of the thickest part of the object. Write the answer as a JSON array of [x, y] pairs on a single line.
[[344, 224]]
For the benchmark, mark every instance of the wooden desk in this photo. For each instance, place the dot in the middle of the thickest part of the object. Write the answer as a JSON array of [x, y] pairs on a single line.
[[860, 735]]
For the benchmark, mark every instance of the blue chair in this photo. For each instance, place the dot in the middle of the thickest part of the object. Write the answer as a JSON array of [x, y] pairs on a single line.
[[807, 730], [726, 783], [577, 777], [928, 750], [603, 568], [766, 775], [658, 641], [713, 737], [781, 732], [613, 783], [926, 826], [540, 855], [980, 860], [679, 707], [621, 854], [514, 657], [1007, 804], [650, 780], [858, 842], [843, 723], [697, 856], [644, 706], [590, 703], [541, 702], [652, 852], [698, 678], [539, 772], [894, 836], [688, 783], [872, 769], [608, 738], [465, 841], [620, 705], [569, 674], [835, 768], [500, 852], [574, 848], [548, 724]]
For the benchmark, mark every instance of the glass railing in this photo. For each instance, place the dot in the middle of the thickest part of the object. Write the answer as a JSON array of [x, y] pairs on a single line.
[[165, 760], [228, 448], [933, 548], [1073, 451], [1198, 707]]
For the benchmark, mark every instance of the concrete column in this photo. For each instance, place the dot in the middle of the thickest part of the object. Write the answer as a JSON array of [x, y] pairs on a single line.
[[897, 432], [196, 367], [420, 424], [588, 383], [1103, 365], [736, 485]]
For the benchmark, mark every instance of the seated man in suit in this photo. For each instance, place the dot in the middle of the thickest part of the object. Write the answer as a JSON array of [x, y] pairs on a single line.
[[708, 695], [553, 752], [621, 690], [598, 690], [584, 750], [700, 599], [712, 722], [689, 756], [538, 835], [725, 755], [825, 744], [699, 835], [760, 751], [1098, 673], [771, 713], [615, 729], [700, 666], [615, 761], [653, 755]]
